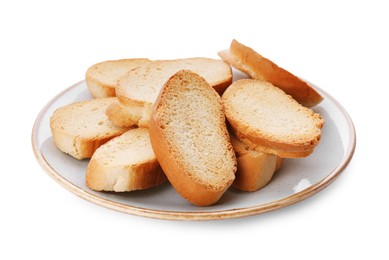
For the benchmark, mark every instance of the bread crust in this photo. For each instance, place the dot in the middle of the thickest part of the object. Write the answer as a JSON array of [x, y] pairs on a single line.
[[186, 185], [256, 66]]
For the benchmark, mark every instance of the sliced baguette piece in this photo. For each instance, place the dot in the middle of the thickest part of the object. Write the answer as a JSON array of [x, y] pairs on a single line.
[[80, 128], [139, 88], [125, 163], [190, 139], [265, 118], [255, 169], [256, 66], [101, 78]]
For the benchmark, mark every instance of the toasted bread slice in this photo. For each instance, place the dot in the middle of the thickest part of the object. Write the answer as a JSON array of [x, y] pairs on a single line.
[[265, 118], [255, 169], [140, 87], [256, 66], [80, 128], [125, 163], [190, 139], [101, 78]]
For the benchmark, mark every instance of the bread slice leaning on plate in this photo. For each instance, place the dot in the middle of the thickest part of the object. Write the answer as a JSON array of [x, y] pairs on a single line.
[[256, 66], [190, 139], [267, 119], [125, 163], [80, 128]]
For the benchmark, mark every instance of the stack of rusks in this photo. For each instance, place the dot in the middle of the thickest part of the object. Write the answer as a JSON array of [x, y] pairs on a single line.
[[187, 122]]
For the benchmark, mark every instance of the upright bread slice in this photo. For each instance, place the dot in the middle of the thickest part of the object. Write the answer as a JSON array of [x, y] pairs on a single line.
[[190, 139], [101, 78], [265, 118], [125, 163], [140, 87], [255, 169], [80, 128], [256, 66]]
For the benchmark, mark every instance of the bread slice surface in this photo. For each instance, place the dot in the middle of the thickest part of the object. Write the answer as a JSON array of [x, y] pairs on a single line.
[[79, 128], [101, 78], [190, 139], [264, 117], [125, 163], [256, 66], [140, 87]]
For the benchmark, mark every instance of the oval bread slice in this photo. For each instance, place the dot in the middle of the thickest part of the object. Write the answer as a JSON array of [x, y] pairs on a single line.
[[101, 78], [80, 128], [190, 139], [125, 163], [265, 118], [256, 66]]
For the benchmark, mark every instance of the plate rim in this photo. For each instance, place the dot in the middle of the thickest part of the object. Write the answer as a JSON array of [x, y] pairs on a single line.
[[195, 215]]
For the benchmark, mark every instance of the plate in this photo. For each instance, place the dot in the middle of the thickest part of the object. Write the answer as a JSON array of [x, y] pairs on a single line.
[[296, 180]]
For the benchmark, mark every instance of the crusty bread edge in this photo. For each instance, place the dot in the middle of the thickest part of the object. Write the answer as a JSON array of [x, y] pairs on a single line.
[[78, 147]]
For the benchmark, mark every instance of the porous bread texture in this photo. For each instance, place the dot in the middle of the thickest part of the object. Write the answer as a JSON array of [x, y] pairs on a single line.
[[128, 116], [255, 169], [125, 163], [140, 87], [256, 66], [265, 118], [79, 128], [190, 139], [101, 78]]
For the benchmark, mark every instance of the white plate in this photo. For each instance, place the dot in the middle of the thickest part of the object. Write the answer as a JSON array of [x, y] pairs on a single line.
[[296, 180]]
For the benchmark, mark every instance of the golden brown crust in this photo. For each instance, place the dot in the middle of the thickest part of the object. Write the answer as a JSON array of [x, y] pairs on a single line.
[[275, 148], [279, 148], [258, 67]]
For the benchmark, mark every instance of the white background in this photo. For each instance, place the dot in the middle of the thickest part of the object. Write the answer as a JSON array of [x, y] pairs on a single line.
[[341, 46]]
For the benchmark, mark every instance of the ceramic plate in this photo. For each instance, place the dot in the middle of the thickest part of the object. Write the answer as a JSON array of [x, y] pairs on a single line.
[[296, 180]]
